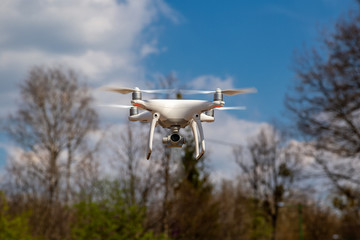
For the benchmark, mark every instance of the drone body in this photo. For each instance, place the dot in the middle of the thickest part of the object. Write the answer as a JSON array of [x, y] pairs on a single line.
[[175, 114]]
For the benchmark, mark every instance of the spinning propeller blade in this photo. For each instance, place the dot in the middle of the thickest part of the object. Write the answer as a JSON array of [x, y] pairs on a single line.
[[229, 92], [158, 91], [130, 90], [195, 91], [120, 90], [231, 108], [116, 106]]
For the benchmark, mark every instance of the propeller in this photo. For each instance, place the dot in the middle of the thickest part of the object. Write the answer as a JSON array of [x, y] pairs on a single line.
[[229, 92], [116, 106], [195, 91], [130, 90], [231, 108]]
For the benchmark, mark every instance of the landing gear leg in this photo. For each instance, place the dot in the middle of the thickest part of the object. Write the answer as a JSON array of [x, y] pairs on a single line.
[[155, 119]]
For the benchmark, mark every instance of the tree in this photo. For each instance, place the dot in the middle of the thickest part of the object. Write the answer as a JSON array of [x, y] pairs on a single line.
[[52, 126], [128, 154], [269, 167], [325, 100], [109, 217], [195, 212], [320, 223], [325, 104], [13, 227], [53, 120]]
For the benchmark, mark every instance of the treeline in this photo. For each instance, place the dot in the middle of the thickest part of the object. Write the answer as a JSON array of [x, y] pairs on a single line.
[[67, 181], [71, 178]]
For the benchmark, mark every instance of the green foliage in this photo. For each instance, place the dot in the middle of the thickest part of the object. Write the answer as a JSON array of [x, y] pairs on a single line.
[[261, 227], [109, 218], [259, 223], [13, 227]]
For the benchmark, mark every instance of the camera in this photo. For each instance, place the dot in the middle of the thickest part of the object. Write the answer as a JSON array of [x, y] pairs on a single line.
[[174, 140]]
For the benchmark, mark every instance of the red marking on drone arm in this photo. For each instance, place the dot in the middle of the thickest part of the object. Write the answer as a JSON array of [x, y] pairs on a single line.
[[136, 105], [217, 106]]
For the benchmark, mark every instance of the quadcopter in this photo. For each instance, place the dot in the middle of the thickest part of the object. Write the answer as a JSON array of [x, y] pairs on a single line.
[[175, 114]]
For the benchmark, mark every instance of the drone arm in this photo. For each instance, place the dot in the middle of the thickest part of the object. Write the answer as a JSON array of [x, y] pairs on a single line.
[[202, 140], [196, 137], [206, 118], [155, 118]]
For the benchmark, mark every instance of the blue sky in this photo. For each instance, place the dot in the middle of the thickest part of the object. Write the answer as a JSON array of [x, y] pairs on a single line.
[[251, 41], [207, 44]]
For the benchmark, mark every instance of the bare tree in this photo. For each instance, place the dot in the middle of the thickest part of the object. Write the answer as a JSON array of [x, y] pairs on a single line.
[[269, 167], [325, 103], [127, 155], [51, 126]]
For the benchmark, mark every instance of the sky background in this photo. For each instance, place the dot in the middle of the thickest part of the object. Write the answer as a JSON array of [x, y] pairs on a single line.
[[206, 44]]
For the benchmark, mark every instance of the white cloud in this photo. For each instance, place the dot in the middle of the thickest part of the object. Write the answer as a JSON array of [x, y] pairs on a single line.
[[82, 24], [105, 40], [168, 11], [17, 154], [221, 136], [149, 48]]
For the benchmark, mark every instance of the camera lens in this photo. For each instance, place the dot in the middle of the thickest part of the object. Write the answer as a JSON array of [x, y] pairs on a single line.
[[175, 137]]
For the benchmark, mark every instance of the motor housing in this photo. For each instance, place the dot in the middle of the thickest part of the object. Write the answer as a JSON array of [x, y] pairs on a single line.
[[218, 95], [134, 111]]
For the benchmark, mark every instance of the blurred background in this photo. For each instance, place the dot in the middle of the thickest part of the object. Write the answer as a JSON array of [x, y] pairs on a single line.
[[286, 168]]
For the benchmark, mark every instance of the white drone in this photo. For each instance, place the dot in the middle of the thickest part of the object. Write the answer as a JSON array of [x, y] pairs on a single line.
[[177, 113]]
